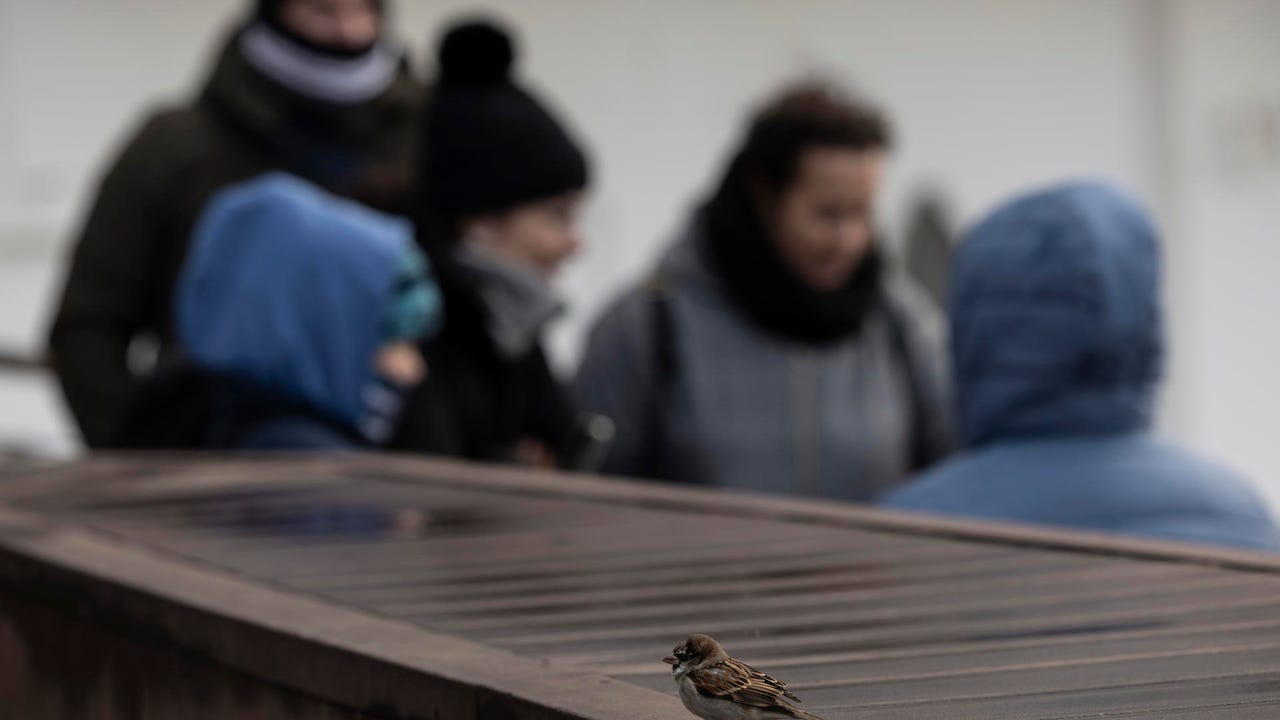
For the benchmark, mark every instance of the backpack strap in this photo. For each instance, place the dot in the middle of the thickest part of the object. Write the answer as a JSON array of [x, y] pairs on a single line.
[[921, 454], [660, 292]]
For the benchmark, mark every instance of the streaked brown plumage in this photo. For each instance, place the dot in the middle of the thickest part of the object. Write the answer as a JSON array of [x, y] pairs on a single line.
[[714, 686]]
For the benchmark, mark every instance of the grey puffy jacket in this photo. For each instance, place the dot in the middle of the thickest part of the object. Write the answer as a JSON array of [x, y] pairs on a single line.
[[699, 394]]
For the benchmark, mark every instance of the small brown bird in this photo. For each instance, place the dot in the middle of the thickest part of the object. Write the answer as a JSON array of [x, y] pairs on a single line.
[[714, 686]]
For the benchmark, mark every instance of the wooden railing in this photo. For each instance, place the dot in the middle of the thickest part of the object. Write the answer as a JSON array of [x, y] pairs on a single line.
[[387, 586], [13, 361]]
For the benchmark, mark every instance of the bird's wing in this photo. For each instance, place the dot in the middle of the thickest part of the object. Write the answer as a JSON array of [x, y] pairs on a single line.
[[741, 683], [765, 679]]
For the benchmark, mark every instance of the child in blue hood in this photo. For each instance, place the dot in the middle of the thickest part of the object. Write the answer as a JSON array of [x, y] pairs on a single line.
[[1057, 344], [298, 316]]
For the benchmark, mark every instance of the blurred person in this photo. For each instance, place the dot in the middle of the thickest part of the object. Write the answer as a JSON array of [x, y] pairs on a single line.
[[1057, 342], [298, 316], [773, 349], [501, 183], [312, 87]]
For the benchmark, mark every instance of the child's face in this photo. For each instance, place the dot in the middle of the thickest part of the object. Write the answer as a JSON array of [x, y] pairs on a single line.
[[400, 362], [540, 235]]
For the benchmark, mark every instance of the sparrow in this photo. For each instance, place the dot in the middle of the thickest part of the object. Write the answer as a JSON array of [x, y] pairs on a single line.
[[714, 686]]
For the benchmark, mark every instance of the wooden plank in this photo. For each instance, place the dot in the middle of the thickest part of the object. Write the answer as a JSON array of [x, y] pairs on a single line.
[[1232, 711], [336, 654], [561, 581], [54, 666], [506, 550], [1188, 696], [625, 491], [852, 577], [1049, 676], [559, 564], [1229, 607], [863, 612], [954, 585], [815, 562], [739, 565], [922, 661]]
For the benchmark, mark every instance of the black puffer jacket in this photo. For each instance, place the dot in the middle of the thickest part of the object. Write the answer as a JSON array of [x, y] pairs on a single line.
[[477, 404], [126, 260]]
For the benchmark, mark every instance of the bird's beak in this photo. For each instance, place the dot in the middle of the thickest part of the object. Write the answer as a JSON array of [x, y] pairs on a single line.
[[670, 660]]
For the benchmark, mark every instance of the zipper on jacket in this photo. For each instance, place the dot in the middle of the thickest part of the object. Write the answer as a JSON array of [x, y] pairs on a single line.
[[806, 422]]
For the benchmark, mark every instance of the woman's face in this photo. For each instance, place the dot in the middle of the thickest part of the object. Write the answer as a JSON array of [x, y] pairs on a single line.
[[823, 221], [540, 235]]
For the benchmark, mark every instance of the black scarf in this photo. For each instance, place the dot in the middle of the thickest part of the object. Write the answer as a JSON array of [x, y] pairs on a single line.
[[742, 254]]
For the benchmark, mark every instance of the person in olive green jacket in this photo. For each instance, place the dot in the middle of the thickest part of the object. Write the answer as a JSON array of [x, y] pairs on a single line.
[[310, 87]]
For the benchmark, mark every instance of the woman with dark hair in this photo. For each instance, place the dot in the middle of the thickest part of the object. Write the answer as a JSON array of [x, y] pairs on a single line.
[[500, 186], [773, 349]]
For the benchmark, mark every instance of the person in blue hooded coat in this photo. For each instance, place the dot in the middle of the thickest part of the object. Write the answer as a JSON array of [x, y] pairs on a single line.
[[298, 315], [1057, 344]]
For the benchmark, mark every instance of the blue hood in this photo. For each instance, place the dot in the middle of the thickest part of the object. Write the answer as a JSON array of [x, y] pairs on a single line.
[[294, 289], [1055, 317]]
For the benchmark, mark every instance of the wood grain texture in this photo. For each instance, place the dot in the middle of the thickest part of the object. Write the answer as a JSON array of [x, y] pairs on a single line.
[[421, 587]]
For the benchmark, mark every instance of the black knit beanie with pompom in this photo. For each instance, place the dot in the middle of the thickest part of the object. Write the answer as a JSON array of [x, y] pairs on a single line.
[[488, 145]]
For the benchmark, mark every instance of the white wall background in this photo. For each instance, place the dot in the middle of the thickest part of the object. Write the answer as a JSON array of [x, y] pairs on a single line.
[[1224, 215], [988, 98]]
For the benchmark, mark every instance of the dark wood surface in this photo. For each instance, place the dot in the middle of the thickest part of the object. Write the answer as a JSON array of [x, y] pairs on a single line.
[[427, 587]]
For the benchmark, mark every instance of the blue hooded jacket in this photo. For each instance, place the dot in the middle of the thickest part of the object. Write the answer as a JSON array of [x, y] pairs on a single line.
[[294, 290], [1057, 346]]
